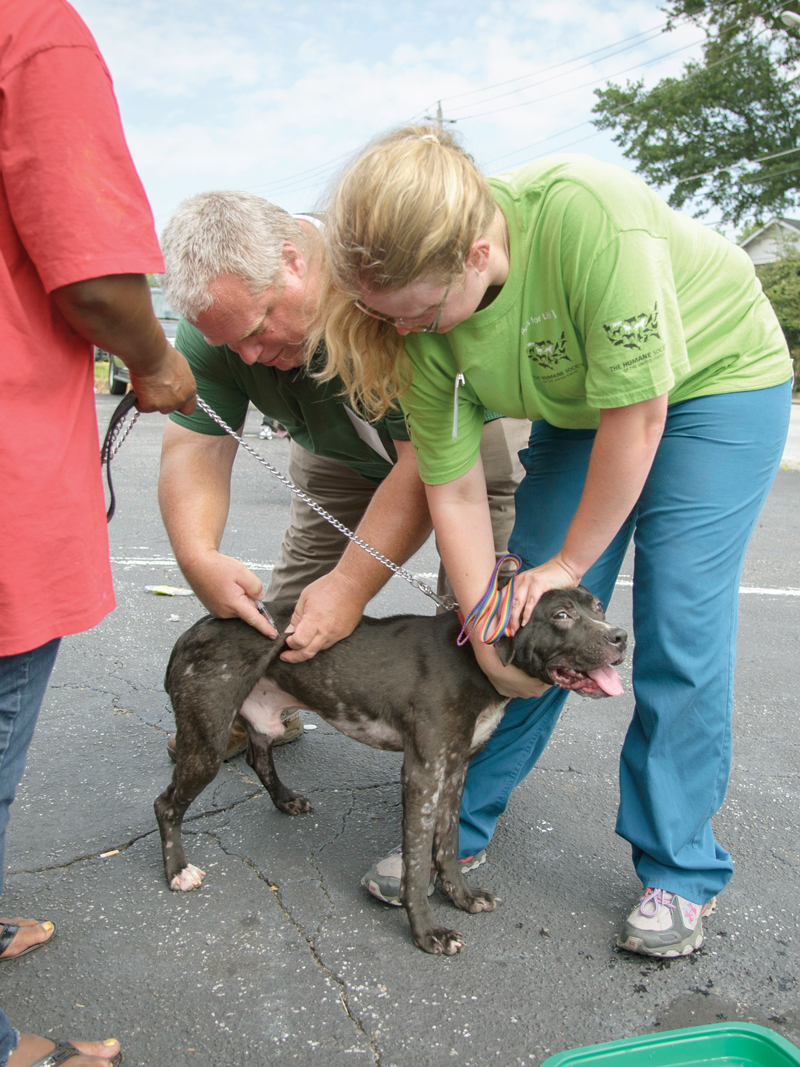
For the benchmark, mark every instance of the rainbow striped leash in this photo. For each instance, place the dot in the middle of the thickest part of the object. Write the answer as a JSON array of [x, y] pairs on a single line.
[[492, 612]]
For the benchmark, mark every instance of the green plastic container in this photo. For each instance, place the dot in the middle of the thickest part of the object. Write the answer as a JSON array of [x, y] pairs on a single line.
[[723, 1045]]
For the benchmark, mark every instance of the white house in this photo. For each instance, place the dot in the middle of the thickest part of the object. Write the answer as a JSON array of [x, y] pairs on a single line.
[[777, 238]]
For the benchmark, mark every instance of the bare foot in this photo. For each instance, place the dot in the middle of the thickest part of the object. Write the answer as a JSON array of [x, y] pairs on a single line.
[[94, 1053], [30, 933]]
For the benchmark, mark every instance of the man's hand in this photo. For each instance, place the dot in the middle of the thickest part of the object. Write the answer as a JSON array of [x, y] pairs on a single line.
[[328, 610], [169, 387], [228, 590], [510, 681]]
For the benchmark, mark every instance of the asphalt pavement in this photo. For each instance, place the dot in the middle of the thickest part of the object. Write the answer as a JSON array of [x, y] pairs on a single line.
[[281, 957]]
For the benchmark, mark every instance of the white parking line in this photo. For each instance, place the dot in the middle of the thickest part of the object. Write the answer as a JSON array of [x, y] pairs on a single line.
[[169, 561], [743, 589]]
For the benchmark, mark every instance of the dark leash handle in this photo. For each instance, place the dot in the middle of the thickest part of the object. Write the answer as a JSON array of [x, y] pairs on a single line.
[[115, 435]]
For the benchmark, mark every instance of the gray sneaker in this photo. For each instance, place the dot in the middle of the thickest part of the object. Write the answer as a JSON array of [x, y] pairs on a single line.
[[664, 924], [383, 877]]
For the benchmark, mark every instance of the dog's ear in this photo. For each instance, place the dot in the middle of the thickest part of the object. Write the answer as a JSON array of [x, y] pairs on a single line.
[[505, 650]]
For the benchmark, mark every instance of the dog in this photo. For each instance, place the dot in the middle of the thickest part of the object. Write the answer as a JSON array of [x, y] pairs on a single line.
[[398, 683]]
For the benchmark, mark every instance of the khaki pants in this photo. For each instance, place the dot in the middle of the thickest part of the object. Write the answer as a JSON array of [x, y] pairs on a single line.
[[312, 547]]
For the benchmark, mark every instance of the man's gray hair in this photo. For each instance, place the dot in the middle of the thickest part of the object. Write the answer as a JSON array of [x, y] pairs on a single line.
[[226, 232]]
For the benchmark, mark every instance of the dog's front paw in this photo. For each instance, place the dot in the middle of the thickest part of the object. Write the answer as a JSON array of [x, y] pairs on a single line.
[[475, 900], [440, 941], [295, 804], [189, 878]]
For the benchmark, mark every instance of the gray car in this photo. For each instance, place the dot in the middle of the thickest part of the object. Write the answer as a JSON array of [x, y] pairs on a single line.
[[118, 374]]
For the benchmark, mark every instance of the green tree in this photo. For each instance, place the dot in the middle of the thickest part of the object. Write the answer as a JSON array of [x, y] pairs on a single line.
[[781, 282], [707, 132]]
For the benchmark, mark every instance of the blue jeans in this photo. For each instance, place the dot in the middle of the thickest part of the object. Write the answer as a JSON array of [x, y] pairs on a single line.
[[23, 680], [711, 475]]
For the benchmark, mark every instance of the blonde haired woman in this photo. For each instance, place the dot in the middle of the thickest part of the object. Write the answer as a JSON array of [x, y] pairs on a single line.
[[658, 379]]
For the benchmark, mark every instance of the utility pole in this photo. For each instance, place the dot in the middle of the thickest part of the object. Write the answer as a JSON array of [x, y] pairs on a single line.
[[438, 119]]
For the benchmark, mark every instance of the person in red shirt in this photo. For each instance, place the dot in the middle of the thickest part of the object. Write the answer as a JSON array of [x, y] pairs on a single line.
[[76, 242]]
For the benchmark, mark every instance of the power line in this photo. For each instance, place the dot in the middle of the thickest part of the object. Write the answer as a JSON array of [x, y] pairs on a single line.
[[624, 107], [649, 34], [575, 70], [583, 85], [760, 159], [314, 174], [325, 169]]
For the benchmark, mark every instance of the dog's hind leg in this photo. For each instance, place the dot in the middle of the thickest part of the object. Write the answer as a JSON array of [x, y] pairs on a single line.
[[196, 764], [262, 714], [445, 848], [421, 789], [259, 756]]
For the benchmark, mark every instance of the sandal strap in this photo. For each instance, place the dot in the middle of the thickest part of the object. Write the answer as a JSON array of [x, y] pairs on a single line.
[[63, 1051], [8, 931]]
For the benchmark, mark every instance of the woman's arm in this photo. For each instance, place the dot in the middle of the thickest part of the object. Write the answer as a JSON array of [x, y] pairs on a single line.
[[622, 455], [460, 513]]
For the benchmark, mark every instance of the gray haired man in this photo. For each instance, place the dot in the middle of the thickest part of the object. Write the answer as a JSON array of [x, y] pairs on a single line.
[[244, 275]]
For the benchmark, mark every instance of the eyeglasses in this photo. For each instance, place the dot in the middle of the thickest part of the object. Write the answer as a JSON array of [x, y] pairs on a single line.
[[411, 326]]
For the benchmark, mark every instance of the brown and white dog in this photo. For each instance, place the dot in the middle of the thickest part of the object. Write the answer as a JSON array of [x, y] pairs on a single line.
[[400, 684]]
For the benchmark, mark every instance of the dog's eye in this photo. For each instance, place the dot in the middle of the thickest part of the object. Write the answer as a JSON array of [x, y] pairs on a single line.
[[561, 615], [598, 606]]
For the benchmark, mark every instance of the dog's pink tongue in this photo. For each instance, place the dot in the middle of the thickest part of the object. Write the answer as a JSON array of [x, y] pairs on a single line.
[[608, 680]]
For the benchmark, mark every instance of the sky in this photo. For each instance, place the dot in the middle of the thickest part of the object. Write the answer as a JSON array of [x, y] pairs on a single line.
[[274, 96]]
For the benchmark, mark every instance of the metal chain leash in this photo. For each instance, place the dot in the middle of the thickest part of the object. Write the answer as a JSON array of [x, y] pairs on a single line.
[[445, 601]]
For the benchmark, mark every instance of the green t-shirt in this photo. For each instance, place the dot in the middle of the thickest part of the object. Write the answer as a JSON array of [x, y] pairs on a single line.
[[611, 298], [313, 412]]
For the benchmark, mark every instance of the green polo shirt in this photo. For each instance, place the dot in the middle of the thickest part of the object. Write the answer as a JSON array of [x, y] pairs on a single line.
[[313, 412]]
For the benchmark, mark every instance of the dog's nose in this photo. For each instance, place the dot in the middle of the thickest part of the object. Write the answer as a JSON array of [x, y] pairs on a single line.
[[617, 636]]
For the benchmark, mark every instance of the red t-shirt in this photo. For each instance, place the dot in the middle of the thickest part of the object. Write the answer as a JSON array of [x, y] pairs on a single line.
[[71, 207]]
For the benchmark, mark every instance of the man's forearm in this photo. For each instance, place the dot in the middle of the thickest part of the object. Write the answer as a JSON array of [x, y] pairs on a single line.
[[116, 314], [194, 491]]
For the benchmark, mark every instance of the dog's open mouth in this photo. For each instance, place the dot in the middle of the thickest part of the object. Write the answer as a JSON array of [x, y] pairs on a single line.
[[601, 680]]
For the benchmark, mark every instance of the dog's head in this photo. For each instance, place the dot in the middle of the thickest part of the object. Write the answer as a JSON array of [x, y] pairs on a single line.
[[567, 642]]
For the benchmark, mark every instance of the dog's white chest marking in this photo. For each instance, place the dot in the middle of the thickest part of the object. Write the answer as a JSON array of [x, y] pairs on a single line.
[[263, 706], [486, 724]]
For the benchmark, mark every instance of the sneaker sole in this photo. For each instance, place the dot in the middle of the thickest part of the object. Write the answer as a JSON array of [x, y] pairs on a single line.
[[632, 943], [389, 893], [683, 948]]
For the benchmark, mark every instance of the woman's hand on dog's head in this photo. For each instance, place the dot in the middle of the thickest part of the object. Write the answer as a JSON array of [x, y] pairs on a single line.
[[531, 584]]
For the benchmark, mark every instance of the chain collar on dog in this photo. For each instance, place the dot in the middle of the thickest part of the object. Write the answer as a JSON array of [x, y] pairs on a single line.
[[111, 447], [495, 602]]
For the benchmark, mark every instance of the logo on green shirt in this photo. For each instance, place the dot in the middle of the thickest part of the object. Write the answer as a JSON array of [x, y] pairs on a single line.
[[635, 331], [548, 354]]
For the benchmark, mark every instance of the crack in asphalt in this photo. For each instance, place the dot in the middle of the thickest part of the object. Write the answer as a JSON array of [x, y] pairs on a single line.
[[320, 875], [210, 813], [310, 940]]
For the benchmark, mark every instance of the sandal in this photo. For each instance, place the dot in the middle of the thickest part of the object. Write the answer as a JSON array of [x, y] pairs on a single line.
[[64, 1051], [8, 931]]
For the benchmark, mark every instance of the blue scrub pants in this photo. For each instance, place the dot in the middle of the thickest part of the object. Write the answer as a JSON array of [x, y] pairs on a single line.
[[691, 526], [23, 680]]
